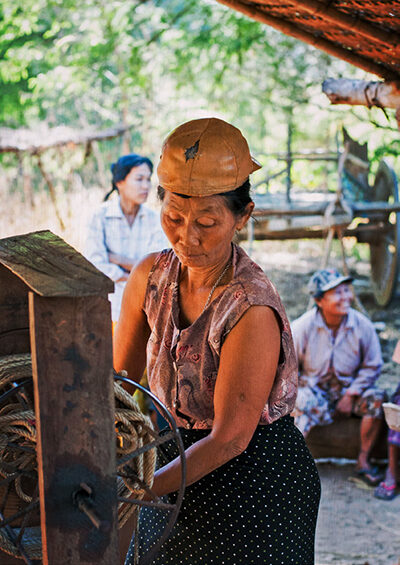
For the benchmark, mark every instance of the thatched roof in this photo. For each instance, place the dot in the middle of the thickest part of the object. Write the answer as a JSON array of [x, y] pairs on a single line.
[[36, 141], [365, 33]]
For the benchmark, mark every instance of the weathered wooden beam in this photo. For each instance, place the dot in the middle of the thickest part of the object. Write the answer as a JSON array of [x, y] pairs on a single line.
[[74, 403], [362, 92], [23, 140], [14, 317], [319, 209], [51, 267], [348, 22], [289, 28], [300, 157], [363, 232]]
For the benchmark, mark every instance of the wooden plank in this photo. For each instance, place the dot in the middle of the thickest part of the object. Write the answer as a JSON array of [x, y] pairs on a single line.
[[317, 40], [51, 267], [357, 25], [22, 139], [318, 209], [74, 403], [14, 317], [263, 229]]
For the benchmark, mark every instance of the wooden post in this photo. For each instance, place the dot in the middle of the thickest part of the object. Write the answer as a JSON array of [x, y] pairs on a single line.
[[48, 286], [52, 191], [74, 401]]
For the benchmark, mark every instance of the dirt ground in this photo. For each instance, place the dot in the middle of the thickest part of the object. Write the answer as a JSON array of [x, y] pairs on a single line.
[[354, 528]]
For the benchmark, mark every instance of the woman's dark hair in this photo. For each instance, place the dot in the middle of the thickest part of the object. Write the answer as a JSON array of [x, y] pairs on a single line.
[[236, 199], [121, 169]]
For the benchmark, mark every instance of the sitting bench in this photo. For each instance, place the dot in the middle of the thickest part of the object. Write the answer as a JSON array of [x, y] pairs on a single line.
[[342, 439]]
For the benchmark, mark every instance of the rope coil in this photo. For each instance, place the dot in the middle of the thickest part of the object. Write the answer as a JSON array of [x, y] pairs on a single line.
[[18, 463]]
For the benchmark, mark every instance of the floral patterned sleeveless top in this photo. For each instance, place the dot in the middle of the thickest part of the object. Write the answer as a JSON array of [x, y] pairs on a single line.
[[182, 363]]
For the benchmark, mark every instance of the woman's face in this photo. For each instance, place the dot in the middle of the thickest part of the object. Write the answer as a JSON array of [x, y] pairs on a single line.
[[136, 185], [337, 301], [200, 229]]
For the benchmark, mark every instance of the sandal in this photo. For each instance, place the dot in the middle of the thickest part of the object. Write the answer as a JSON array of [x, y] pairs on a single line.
[[385, 492], [372, 476]]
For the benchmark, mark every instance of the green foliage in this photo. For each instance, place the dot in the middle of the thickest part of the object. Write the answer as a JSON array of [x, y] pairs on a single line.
[[155, 63], [103, 58]]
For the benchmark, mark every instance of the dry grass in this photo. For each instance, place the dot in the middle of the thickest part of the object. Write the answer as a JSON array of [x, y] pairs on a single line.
[[75, 208], [18, 217]]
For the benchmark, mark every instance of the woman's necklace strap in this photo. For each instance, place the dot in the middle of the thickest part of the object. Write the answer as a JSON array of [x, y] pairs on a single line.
[[219, 279]]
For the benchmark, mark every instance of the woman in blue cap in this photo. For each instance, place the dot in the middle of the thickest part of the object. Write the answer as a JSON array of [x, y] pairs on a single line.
[[123, 230]]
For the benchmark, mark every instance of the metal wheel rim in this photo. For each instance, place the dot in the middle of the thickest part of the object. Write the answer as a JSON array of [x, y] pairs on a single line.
[[148, 558], [384, 253], [173, 508]]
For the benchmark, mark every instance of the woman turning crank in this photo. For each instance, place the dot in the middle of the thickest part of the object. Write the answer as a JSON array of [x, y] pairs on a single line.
[[219, 354]]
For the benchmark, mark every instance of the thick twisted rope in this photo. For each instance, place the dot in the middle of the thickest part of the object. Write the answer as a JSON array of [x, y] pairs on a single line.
[[133, 429]]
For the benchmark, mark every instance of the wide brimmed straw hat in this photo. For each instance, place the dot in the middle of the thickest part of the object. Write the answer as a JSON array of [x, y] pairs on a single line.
[[205, 157]]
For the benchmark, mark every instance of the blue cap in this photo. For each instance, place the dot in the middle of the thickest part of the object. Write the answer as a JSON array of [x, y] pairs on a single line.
[[325, 279]]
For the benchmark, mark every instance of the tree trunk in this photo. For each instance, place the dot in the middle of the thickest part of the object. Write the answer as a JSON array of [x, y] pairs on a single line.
[[52, 192], [26, 174]]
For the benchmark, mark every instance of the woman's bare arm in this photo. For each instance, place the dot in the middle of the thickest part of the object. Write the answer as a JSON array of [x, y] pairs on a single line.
[[132, 331], [248, 364]]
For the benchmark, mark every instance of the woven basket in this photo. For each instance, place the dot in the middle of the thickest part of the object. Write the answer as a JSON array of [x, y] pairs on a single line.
[[392, 415]]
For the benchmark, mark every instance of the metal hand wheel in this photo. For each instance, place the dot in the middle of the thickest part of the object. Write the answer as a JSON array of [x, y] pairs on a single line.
[[170, 510], [20, 535]]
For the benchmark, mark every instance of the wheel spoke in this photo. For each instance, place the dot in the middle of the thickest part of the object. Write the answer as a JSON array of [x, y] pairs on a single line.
[[150, 503], [6, 521], [154, 444]]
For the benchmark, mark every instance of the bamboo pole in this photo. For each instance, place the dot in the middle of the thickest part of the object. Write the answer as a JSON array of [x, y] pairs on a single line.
[[347, 22], [288, 28]]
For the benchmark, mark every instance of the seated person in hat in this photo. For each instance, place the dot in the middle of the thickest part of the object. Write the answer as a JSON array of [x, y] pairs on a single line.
[[339, 360]]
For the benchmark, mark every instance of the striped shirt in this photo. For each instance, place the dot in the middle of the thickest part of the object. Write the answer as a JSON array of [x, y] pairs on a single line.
[[110, 232]]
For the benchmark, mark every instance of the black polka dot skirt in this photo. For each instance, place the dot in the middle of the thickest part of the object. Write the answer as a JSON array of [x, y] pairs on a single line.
[[259, 508]]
